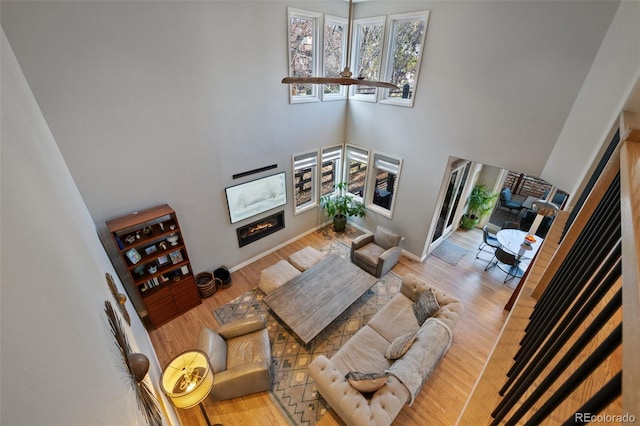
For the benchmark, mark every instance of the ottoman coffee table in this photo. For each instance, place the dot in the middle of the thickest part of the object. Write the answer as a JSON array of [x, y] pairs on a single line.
[[312, 300]]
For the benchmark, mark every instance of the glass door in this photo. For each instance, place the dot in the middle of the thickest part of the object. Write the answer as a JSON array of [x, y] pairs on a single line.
[[445, 224]]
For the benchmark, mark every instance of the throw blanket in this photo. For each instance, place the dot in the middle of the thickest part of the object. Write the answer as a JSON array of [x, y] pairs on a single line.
[[433, 340]]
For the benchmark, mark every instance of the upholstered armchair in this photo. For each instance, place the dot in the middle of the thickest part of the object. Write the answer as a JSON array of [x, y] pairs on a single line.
[[240, 356], [376, 253]]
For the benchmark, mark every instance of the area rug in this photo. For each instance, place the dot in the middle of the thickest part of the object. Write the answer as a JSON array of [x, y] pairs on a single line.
[[449, 252], [292, 388]]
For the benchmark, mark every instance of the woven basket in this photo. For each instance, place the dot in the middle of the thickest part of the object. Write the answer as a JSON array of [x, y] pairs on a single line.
[[224, 276], [206, 284]]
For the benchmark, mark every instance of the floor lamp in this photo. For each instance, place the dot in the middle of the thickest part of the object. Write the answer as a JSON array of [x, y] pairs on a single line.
[[187, 380]]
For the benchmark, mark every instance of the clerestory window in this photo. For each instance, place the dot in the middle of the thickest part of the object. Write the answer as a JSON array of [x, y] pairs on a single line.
[[406, 44], [304, 57]]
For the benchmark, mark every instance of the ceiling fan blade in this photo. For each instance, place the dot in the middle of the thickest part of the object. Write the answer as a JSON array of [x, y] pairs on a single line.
[[344, 81]]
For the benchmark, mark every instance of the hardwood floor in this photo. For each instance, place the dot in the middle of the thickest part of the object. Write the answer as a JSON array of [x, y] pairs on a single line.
[[445, 392]]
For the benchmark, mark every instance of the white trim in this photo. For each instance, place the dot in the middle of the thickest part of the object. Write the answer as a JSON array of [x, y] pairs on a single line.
[[390, 164], [328, 20], [301, 161], [393, 20], [361, 155], [317, 52], [336, 152], [358, 23]]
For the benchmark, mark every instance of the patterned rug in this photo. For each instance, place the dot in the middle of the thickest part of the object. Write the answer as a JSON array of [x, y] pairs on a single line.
[[292, 387], [449, 252]]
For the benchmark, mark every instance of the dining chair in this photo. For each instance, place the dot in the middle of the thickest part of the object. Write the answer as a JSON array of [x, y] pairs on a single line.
[[488, 239], [508, 224], [508, 263]]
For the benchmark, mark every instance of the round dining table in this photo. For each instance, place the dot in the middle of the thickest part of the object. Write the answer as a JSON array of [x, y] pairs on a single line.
[[512, 241]]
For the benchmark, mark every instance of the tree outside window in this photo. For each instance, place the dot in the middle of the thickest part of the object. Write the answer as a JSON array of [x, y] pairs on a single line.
[[303, 51], [405, 47]]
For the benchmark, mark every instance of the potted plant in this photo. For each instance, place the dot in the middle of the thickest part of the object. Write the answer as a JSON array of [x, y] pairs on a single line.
[[341, 206], [479, 204]]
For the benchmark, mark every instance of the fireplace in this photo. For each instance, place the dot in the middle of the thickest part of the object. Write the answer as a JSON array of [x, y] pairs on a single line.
[[260, 228]]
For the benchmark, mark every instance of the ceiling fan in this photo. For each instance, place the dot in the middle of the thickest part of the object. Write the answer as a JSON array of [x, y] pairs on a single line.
[[345, 78]]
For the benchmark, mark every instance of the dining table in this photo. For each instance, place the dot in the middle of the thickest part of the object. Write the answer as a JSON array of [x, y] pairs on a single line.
[[512, 241]]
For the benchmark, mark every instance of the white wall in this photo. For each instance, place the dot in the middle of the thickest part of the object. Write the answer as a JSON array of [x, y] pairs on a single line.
[[60, 365], [610, 82], [155, 102]]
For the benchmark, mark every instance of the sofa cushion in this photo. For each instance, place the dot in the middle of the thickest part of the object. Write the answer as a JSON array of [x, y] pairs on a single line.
[[362, 352], [395, 319], [425, 306], [400, 346], [366, 382], [276, 275]]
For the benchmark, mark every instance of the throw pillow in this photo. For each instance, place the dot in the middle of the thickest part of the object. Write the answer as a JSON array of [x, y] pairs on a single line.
[[400, 346], [366, 382], [425, 306]]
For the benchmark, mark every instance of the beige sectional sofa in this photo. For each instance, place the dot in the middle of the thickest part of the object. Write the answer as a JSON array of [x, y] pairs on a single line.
[[365, 353]]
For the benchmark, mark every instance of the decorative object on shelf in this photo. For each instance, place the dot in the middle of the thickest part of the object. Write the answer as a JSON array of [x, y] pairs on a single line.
[[139, 270], [187, 380], [120, 298], [176, 257], [479, 204], [147, 230], [133, 256], [172, 226], [135, 367], [162, 260], [150, 249], [184, 270], [130, 239], [163, 245], [256, 196], [161, 225], [345, 78], [173, 239], [152, 269], [341, 206]]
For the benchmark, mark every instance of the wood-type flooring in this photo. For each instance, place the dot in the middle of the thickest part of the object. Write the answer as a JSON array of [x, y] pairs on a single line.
[[443, 396]]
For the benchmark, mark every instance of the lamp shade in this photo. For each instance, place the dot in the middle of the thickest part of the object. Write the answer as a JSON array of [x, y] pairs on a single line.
[[188, 379]]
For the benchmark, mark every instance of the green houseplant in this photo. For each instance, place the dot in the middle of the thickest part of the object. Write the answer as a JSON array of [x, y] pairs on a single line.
[[341, 206], [479, 204]]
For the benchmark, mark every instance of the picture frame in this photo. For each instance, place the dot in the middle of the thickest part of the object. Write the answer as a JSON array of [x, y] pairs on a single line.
[[150, 249], [256, 196], [162, 260], [176, 257]]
